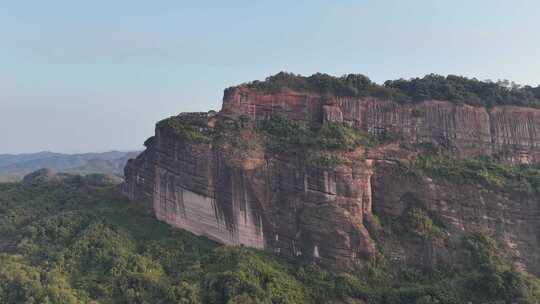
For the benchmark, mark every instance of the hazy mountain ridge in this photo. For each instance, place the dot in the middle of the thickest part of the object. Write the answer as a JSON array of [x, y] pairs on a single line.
[[14, 166]]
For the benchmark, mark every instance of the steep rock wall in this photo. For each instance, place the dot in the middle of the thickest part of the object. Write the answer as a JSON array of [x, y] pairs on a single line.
[[510, 215], [282, 204], [279, 204], [508, 132]]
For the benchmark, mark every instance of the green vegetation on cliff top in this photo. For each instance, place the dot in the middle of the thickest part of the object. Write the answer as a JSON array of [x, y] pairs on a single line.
[[430, 87], [73, 242], [281, 135], [192, 127], [482, 170]]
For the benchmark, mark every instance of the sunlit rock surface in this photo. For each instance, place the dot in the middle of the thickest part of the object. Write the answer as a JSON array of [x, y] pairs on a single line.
[[259, 199]]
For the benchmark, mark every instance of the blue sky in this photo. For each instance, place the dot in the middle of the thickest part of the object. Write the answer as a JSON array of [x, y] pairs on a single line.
[[96, 75]]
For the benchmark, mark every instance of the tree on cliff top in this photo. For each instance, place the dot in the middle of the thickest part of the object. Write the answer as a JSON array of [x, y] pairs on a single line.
[[322, 84], [471, 91], [453, 88]]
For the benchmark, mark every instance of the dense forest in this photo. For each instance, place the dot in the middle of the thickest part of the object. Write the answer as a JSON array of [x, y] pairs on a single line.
[[75, 240], [430, 87]]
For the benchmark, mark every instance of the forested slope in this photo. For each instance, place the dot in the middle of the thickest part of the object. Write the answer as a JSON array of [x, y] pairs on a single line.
[[74, 241]]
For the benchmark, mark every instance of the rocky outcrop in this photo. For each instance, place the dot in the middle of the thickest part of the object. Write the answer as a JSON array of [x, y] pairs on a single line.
[[269, 202], [233, 189], [42, 175]]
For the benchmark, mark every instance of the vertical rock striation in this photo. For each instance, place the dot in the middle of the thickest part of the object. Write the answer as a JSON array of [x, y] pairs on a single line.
[[509, 132]]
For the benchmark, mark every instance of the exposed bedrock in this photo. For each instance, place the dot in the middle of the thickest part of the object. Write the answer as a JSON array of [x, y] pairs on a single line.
[[279, 202], [509, 132], [510, 216]]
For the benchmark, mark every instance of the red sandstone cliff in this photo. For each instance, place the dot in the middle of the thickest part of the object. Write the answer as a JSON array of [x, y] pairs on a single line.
[[241, 194], [510, 132]]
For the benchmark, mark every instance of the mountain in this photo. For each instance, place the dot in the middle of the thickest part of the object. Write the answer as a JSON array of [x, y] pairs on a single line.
[[300, 190], [342, 172], [14, 166]]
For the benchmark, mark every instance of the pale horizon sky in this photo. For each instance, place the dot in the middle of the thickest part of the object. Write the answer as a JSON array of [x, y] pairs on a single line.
[[97, 75]]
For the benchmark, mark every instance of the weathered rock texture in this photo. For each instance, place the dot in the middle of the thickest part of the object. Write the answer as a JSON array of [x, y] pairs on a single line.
[[509, 132], [279, 203], [249, 196], [509, 215]]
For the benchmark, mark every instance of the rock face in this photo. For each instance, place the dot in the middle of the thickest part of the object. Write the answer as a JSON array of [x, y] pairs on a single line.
[[242, 194], [510, 215], [274, 203], [508, 132]]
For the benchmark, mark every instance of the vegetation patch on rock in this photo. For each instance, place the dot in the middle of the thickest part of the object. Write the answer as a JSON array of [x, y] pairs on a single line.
[[482, 170], [492, 278], [239, 142], [191, 127], [416, 222], [318, 146]]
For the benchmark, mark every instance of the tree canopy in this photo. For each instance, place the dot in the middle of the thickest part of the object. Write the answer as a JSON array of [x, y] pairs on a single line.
[[68, 241], [452, 88]]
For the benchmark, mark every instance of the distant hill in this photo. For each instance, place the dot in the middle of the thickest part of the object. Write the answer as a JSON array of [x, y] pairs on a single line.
[[14, 166]]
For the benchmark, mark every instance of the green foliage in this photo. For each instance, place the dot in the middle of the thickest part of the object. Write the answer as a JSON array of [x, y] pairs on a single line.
[[481, 170], [240, 275], [284, 135], [415, 221], [493, 279], [70, 242], [337, 136], [191, 127], [321, 283], [466, 90], [237, 133], [431, 87], [280, 134], [323, 84], [348, 285], [320, 160], [23, 283]]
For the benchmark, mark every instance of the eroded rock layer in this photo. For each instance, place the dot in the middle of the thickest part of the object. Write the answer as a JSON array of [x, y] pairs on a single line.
[[509, 132]]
